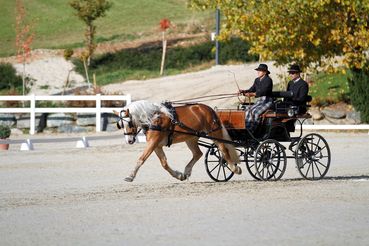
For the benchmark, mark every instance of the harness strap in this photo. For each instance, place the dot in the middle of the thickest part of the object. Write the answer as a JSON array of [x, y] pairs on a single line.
[[190, 131]]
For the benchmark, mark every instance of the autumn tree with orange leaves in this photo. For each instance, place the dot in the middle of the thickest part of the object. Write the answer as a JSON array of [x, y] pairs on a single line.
[[23, 40]]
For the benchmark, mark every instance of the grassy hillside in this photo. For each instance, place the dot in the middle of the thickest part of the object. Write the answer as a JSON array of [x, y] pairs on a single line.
[[56, 26]]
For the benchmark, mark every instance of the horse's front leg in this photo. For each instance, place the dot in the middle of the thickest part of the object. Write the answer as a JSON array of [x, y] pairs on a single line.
[[163, 160], [147, 152]]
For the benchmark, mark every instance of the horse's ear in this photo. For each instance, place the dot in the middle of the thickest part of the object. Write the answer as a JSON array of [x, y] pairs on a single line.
[[127, 111], [116, 113]]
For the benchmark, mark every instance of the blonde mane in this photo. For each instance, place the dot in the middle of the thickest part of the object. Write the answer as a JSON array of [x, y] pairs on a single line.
[[143, 112]]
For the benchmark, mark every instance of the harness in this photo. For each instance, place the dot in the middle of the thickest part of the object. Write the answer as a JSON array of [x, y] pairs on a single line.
[[188, 130]]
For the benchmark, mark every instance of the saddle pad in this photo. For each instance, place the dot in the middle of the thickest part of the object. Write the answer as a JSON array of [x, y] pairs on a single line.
[[232, 118]]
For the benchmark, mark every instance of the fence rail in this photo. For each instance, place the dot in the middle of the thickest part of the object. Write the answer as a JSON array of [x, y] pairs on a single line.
[[32, 109]]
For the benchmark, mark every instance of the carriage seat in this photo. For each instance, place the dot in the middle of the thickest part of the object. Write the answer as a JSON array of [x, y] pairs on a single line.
[[287, 107], [286, 110]]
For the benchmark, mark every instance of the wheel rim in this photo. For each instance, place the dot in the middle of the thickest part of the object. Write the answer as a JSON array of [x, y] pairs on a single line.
[[270, 160], [313, 157], [216, 166]]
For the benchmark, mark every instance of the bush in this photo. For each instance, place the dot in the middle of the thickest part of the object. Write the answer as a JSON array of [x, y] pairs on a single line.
[[9, 78], [359, 88], [235, 50], [4, 131]]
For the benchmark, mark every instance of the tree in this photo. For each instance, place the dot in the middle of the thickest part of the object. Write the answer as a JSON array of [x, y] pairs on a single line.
[[23, 39], [88, 11], [310, 33]]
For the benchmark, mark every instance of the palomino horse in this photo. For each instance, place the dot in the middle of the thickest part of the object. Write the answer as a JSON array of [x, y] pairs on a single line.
[[164, 126]]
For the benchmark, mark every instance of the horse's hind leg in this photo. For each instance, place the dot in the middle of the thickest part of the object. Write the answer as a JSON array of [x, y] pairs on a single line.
[[230, 157], [196, 155], [163, 160]]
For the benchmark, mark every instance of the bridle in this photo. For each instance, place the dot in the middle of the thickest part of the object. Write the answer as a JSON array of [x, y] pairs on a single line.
[[123, 115]]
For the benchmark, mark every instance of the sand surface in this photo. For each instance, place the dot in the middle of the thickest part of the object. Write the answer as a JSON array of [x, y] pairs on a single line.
[[59, 195]]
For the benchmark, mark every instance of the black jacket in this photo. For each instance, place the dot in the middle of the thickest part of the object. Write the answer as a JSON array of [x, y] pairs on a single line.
[[262, 87], [300, 91]]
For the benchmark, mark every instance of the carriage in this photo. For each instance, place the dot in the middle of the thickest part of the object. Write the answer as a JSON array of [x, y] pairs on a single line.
[[262, 151]]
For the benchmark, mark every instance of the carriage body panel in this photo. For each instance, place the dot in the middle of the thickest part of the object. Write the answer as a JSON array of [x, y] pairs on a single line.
[[232, 119]]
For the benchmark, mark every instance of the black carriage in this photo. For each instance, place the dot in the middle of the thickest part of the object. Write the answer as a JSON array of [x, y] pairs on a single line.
[[262, 152]]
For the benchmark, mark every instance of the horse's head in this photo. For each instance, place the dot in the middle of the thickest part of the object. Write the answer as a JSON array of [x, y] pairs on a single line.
[[125, 122]]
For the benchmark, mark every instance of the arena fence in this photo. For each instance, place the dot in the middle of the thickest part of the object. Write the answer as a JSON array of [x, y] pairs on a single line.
[[32, 109]]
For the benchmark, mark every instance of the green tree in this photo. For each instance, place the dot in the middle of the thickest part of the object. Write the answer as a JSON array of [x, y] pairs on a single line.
[[88, 11], [307, 32], [310, 33]]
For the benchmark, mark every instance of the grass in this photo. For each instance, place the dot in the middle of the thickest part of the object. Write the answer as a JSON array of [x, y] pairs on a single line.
[[329, 88], [144, 62], [56, 26]]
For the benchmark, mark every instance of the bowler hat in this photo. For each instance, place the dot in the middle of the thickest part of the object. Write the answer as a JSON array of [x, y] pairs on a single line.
[[262, 67], [294, 68]]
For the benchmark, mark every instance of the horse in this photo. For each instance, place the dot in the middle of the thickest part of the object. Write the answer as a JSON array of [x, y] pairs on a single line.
[[166, 125]]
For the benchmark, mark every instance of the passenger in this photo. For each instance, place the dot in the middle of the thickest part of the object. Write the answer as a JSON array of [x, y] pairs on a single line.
[[262, 90], [299, 88]]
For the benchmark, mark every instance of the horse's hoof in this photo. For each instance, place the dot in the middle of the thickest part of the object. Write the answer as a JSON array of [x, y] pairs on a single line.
[[180, 176], [238, 170], [128, 179]]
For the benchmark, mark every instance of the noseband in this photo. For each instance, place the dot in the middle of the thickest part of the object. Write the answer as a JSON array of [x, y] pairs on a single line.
[[130, 125]]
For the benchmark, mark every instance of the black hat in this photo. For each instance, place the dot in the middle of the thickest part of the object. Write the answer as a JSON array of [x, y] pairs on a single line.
[[294, 68], [262, 67]]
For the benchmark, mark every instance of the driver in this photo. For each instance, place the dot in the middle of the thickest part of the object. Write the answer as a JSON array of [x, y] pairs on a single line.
[[262, 90]]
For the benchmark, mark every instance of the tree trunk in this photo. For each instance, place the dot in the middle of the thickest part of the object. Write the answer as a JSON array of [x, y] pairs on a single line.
[[163, 56]]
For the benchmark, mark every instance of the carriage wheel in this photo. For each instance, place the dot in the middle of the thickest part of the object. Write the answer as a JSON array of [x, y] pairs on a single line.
[[313, 157], [216, 166], [250, 164], [270, 160]]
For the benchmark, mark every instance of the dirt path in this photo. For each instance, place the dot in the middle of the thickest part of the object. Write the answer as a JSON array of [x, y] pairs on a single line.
[[57, 195], [214, 81]]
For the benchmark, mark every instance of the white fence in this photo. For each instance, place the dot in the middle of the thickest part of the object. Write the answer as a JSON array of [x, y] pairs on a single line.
[[32, 110]]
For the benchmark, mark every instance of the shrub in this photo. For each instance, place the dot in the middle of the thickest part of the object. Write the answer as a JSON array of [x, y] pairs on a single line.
[[9, 78], [359, 88], [4, 131], [235, 49], [68, 53]]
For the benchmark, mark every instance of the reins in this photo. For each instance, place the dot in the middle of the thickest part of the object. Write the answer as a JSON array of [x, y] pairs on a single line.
[[205, 98]]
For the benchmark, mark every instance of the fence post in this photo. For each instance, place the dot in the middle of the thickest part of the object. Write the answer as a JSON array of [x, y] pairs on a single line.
[[32, 117], [98, 112], [129, 100]]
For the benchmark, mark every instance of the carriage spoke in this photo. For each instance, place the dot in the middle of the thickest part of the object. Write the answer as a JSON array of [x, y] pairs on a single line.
[[312, 168], [218, 171], [224, 173], [215, 167], [317, 145], [317, 168]]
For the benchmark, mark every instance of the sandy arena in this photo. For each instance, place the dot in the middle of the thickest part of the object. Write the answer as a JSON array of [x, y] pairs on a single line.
[[59, 195]]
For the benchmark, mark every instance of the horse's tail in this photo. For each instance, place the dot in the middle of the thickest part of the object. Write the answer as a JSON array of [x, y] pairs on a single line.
[[230, 147]]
